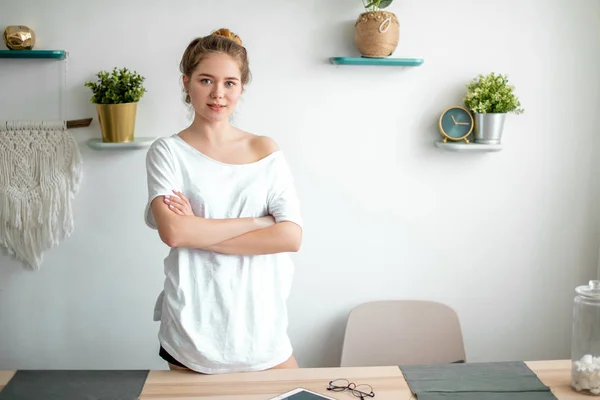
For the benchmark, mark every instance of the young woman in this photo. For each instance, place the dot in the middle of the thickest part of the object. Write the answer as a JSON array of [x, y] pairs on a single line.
[[224, 201]]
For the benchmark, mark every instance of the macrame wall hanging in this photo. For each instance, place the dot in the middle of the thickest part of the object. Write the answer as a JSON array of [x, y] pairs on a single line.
[[40, 172]]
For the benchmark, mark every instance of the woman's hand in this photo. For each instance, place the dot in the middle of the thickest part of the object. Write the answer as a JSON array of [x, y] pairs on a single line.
[[179, 204]]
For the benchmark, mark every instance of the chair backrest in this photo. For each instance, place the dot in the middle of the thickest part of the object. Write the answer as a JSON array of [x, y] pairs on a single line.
[[402, 332]]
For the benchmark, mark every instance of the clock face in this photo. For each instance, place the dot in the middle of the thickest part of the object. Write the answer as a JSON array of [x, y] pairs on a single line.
[[456, 123]]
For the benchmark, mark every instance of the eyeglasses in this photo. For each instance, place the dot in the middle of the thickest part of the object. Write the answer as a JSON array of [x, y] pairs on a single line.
[[361, 391]]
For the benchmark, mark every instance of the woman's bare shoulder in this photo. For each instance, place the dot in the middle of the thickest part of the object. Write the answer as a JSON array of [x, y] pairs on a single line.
[[264, 145], [261, 146]]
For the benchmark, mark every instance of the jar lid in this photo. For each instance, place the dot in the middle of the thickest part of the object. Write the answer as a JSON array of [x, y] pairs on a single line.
[[591, 290]]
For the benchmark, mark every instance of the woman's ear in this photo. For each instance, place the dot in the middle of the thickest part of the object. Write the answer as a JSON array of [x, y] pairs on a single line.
[[186, 81]]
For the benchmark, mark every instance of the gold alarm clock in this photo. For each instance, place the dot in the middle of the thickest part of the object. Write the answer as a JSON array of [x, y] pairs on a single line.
[[456, 123]]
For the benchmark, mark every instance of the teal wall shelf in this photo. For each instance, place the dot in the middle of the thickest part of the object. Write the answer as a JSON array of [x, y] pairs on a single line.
[[47, 54], [401, 62]]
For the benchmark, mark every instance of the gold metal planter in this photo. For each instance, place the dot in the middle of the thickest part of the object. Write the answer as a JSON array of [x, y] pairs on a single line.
[[117, 122]]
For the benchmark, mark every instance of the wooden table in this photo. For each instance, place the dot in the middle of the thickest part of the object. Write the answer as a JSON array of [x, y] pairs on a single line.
[[387, 382]]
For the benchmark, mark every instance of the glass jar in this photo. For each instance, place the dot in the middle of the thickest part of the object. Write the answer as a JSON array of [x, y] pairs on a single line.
[[585, 340]]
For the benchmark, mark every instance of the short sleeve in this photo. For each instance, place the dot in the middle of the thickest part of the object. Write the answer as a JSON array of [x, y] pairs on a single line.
[[283, 203], [161, 175]]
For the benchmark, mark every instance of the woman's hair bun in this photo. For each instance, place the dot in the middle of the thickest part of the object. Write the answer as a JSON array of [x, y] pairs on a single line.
[[226, 33]]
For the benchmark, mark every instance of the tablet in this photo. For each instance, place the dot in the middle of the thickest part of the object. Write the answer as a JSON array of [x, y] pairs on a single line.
[[301, 394]]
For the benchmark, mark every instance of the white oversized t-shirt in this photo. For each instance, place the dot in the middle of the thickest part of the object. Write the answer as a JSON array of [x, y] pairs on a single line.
[[223, 313]]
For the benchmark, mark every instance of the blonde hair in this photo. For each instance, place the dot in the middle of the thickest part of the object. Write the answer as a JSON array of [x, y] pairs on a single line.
[[221, 41]]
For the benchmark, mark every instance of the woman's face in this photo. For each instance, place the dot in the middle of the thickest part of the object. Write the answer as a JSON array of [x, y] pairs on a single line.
[[214, 87]]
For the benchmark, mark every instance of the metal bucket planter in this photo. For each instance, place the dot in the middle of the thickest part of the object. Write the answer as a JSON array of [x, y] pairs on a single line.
[[489, 127]]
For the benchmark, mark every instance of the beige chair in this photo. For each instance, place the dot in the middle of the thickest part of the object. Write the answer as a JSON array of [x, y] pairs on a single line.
[[402, 332]]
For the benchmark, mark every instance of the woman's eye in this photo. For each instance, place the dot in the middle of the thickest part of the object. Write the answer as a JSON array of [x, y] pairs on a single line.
[[229, 83], [206, 81]]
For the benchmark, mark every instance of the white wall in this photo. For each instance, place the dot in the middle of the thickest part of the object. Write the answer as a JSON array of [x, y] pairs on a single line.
[[504, 238]]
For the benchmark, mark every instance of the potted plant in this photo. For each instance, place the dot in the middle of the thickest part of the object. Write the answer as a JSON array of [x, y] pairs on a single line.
[[116, 95], [490, 98], [376, 32]]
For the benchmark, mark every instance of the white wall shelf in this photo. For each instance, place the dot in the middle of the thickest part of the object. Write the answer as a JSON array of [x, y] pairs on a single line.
[[138, 143], [468, 147]]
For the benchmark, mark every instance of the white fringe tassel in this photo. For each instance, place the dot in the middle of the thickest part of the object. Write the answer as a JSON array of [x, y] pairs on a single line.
[[40, 173]]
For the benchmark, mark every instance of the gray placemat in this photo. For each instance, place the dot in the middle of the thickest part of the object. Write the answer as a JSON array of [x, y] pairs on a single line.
[[509, 376], [487, 396], [75, 385]]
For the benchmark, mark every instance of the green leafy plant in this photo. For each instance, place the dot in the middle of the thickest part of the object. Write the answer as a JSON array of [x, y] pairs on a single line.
[[119, 86], [492, 94], [374, 5]]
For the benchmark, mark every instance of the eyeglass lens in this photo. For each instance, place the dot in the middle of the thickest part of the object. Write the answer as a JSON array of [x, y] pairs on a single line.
[[363, 390]]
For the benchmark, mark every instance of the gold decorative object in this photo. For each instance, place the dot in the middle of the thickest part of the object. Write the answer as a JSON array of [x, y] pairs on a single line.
[[376, 33], [19, 37], [117, 122]]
